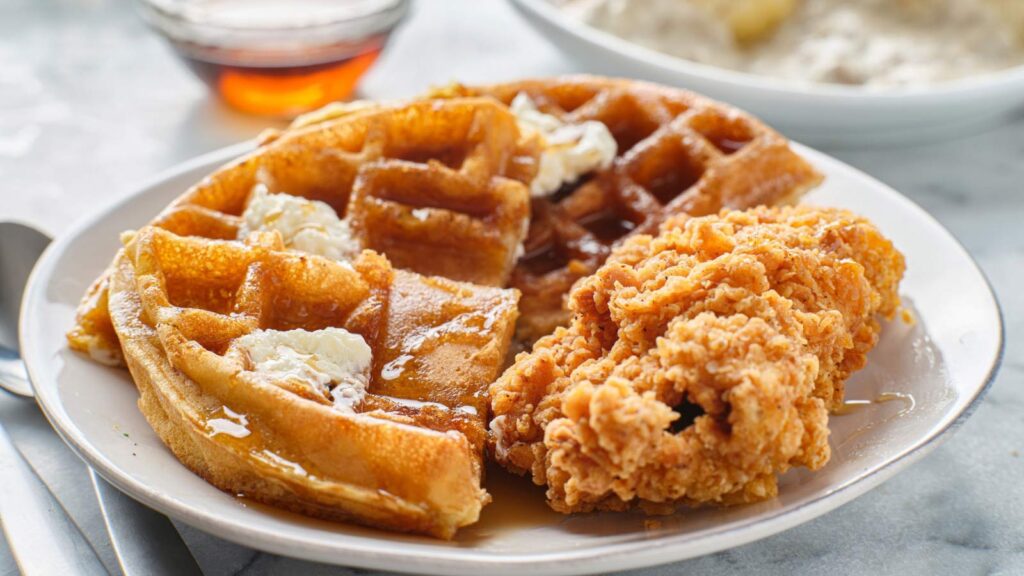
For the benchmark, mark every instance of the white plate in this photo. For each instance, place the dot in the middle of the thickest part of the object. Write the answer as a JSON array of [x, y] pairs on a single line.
[[820, 114], [944, 361]]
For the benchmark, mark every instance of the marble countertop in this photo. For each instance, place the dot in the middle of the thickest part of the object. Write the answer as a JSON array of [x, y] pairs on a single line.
[[92, 104]]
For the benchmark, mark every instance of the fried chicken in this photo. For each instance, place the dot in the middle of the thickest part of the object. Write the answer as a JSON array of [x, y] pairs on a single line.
[[700, 363]]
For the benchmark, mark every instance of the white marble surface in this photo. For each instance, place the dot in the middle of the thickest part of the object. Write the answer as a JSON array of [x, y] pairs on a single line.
[[92, 103]]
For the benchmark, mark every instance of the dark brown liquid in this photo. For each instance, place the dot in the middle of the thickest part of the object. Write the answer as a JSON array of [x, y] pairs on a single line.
[[608, 226], [677, 178], [543, 260]]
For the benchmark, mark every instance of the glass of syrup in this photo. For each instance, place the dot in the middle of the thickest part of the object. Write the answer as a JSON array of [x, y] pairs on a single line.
[[277, 57]]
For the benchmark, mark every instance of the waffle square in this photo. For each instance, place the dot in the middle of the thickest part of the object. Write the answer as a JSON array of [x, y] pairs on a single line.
[[406, 456]]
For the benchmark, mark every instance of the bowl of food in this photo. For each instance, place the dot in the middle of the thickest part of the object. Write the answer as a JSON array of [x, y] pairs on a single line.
[[272, 58], [830, 72]]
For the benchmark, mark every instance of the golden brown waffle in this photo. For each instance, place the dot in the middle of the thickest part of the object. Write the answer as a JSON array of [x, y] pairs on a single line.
[[425, 176], [677, 153], [423, 183], [406, 457], [439, 187]]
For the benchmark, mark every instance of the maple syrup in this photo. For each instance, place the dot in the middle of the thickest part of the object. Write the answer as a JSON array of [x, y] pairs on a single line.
[[277, 58], [286, 90], [853, 406]]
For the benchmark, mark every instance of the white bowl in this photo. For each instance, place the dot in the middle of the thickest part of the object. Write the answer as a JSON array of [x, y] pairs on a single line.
[[820, 114], [944, 362]]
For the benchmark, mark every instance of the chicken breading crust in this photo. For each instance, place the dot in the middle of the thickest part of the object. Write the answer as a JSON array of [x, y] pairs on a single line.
[[752, 319]]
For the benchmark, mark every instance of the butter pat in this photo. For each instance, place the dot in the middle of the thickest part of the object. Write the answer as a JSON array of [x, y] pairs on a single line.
[[333, 362], [569, 150], [305, 225]]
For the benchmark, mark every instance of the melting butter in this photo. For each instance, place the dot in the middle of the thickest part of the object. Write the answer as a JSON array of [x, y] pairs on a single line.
[[332, 362], [305, 225], [568, 150]]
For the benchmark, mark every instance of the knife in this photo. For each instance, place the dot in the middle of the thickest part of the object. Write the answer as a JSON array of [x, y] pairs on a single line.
[[144, 540], [42, 539]]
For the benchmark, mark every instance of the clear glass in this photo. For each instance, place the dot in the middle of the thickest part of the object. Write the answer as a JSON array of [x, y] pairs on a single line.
[[276, 57]]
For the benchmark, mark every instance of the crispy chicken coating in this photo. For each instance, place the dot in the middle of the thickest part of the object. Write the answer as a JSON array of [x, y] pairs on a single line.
[[700, 363]]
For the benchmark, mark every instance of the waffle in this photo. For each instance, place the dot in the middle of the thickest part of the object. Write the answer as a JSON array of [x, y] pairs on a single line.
[[423, 183], [677, 153], [404, 224], [405, 456]]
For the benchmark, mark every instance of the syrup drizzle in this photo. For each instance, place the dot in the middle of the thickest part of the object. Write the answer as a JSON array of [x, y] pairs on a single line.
[[909, 403], [853, 406], [232, 424]]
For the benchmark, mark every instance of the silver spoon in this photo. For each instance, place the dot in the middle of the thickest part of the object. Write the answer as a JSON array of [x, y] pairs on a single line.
[[20, 247], [144, 540], [39, 533]]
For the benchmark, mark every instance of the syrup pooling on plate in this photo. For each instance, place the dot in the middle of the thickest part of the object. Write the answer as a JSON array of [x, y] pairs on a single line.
[[851, 406], [908, 404]]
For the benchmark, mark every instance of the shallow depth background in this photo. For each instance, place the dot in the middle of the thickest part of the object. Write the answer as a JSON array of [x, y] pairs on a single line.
[[92, 104]]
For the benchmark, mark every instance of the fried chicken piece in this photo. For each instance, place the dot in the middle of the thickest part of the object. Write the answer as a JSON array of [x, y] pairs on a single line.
[[752, 320]]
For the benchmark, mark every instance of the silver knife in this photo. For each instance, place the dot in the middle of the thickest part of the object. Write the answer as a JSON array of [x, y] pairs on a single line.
[[41, 537], [144, 540]]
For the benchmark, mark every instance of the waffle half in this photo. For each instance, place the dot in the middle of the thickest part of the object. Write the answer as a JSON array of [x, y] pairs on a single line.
[[428, 184], [678, 152], [407, 456]]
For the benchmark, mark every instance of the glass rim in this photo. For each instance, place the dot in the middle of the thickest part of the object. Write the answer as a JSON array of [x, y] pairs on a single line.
[[173, 19]]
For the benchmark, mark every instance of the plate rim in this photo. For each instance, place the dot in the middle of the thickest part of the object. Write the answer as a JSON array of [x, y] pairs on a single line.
[[454, 560]]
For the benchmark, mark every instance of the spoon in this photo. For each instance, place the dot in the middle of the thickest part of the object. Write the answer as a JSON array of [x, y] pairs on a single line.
[[21, 247], [144, 541], [40, 535]]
